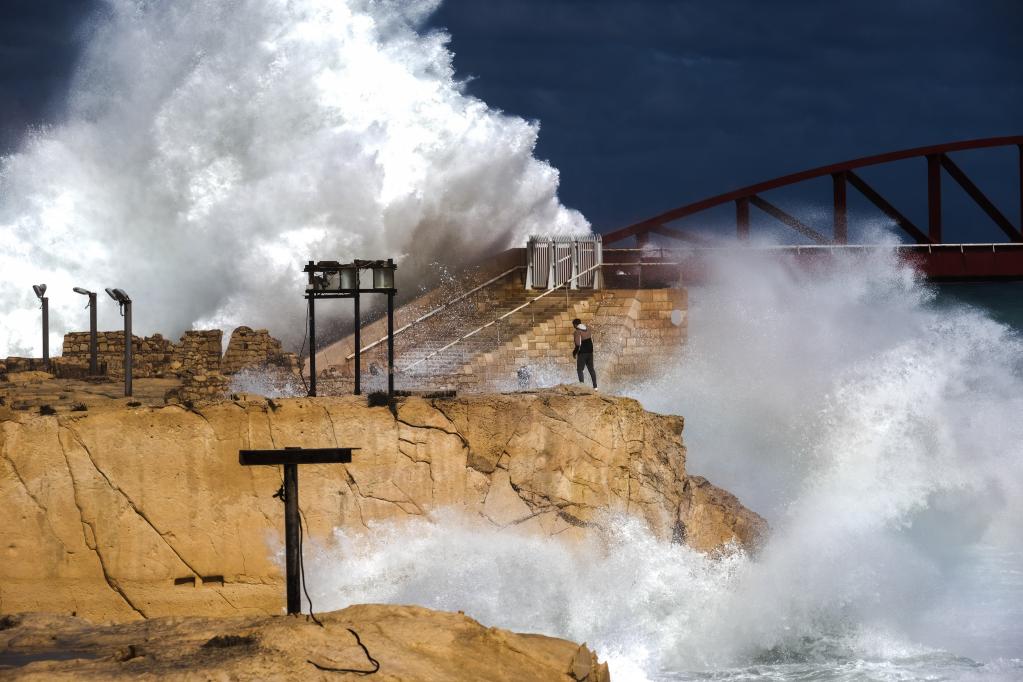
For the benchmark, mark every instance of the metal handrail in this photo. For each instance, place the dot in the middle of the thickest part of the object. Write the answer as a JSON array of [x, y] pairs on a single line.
[[437, 310], [819, 247], [498, 319]]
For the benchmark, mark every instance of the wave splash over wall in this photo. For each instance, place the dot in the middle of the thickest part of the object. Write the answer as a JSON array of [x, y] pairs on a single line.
[[210, 148], [878, 431]]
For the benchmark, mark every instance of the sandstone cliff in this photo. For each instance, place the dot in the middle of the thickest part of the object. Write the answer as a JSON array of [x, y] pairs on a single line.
[[123, 512], [406, 642]]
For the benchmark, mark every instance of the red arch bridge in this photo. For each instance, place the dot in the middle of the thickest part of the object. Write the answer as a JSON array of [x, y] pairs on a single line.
[[937, 259]]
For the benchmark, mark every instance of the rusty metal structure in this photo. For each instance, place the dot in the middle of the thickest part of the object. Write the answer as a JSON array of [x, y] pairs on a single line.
[[938, 259]]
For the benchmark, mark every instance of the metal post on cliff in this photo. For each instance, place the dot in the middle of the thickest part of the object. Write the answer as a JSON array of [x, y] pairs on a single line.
[[292, 550], [290, 458]]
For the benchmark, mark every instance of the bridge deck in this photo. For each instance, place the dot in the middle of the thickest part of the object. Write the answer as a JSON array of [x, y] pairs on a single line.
[[938, 262]]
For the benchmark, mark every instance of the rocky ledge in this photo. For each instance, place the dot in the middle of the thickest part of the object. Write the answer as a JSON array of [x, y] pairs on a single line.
[[395, 643], [122, 512]]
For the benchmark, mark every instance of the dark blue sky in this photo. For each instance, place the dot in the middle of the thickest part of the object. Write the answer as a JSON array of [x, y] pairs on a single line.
[[649, 104]]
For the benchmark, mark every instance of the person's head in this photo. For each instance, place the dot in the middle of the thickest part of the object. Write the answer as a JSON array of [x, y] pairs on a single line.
[[576, 322]]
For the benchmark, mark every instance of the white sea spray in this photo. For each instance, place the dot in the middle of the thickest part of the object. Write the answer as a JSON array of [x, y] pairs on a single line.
[[211, 148], [877, 431]]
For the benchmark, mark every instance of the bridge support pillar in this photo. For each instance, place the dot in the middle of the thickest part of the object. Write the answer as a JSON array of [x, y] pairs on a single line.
[[934, 198], [1020, 148], [841, 217], [742, 218]]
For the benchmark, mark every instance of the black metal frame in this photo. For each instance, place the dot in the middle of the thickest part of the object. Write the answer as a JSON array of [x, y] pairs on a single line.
[[318, 275]]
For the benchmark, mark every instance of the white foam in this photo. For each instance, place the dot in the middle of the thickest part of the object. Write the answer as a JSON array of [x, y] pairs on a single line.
[[879, 433]]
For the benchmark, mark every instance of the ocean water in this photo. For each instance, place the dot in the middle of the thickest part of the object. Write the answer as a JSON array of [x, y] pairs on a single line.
[[871, 417], [209, 148]]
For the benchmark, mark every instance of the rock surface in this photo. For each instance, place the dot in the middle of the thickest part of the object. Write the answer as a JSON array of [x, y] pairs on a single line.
[[123, 512], [409, 643]]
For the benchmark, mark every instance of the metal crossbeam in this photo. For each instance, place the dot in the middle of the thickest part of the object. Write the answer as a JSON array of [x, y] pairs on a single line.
[[875, 198], [296, 456], [788, 219], [988, 207]]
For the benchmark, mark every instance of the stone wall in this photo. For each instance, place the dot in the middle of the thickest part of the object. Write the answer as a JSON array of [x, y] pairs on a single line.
[[255, 348], [199, 387], [14, 364], [151, 355], [198, 353]]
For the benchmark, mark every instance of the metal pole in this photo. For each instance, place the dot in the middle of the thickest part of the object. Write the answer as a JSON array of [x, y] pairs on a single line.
[[841, 218], [291, 543], [575, 264], [127, 349], [93, 343], [742, 218], [358, 339], [934, 198], [390, 343], [46, 333], [312, 346]]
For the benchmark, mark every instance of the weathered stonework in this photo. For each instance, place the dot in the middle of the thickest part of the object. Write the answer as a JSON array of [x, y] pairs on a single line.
[[197, 354], [152, 356], [635, 333], [256, 348], [199, 387], [199, 351], [14, 364]]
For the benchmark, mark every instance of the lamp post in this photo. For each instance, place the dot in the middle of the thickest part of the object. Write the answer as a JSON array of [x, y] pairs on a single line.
[[124, 302], [330, 279], [40, 290], [93, 360]]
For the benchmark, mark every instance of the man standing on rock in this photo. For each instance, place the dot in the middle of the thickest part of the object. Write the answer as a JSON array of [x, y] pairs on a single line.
[[583, 351]]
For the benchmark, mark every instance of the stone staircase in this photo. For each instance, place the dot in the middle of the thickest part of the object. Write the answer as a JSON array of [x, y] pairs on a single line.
[[633, 335]]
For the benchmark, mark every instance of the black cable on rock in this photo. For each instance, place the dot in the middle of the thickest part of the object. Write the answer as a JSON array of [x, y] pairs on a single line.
[[301, 567], [358, 640]]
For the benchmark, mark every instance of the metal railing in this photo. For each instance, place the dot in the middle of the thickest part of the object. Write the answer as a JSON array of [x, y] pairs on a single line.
[[547, 259], [531, 301], [442, 307]]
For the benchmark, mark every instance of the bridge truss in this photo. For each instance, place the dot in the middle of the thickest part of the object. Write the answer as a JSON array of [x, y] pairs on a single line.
[[938, 259]]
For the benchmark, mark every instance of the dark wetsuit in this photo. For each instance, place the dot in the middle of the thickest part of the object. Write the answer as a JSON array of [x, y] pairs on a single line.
[[584, 354]]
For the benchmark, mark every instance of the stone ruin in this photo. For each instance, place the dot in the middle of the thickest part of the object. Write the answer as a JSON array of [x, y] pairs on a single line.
[[256, 348], [248, 349], [152, 356], [195, 359]]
